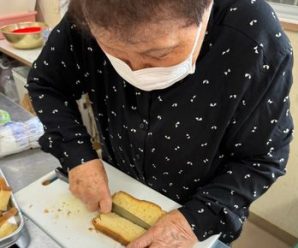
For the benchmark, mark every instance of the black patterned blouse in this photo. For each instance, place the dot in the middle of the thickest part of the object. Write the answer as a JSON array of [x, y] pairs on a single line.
[[214, 142]]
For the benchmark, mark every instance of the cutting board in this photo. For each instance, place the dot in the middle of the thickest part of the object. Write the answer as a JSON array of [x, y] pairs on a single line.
[[65, 218]]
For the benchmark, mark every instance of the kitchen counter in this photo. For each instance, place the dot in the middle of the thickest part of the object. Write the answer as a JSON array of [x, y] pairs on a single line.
[[26, 57], [26, 167]]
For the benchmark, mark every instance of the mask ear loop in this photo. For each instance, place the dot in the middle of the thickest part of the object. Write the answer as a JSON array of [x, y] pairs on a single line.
[[196, 40], [200, 29]]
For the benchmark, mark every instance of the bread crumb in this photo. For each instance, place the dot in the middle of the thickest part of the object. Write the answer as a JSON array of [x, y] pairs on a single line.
[[90, 229], [30, 206], [46, 211], [68, 213]]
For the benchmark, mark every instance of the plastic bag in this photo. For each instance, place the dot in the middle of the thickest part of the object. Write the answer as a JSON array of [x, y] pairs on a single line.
[[18, 136]]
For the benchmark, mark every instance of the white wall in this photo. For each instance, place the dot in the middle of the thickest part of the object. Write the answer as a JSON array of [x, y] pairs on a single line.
[[49, 11]]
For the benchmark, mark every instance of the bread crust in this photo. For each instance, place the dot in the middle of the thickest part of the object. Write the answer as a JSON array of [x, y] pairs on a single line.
[[140, 200], [3, 185], [7, 215]]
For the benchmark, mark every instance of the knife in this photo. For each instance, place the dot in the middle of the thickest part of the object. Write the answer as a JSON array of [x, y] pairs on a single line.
[[61, 174], [129, 216]]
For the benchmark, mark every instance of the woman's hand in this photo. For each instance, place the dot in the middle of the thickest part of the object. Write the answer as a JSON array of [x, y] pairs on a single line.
[[89, 183], [171, 231]]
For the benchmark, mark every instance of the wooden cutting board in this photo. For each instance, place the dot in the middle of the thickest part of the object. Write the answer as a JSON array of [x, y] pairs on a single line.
[[65, 218]]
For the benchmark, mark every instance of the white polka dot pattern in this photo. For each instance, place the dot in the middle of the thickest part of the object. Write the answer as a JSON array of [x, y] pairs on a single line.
[[213, 142]]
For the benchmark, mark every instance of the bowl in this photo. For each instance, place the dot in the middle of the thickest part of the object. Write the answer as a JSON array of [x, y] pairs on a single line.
[[25, 35]]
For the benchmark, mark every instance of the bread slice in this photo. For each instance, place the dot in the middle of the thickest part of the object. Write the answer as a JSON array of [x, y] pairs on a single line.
[[7, 228], [4, 199], [147, 211], [121, 229], [7, 215], [118, 228], [5, 193]]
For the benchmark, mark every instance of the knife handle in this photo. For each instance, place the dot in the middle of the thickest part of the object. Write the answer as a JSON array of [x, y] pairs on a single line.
[[61, 174]]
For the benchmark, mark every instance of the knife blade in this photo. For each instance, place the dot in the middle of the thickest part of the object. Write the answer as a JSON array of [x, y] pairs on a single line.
[[61, 174], [129, 216]]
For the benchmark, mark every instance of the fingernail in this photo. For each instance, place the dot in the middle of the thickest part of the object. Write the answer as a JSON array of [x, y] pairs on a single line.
[[104, 210], [107, 209]]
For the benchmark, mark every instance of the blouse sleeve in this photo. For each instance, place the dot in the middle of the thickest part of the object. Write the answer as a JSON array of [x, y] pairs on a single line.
[[55, 82]]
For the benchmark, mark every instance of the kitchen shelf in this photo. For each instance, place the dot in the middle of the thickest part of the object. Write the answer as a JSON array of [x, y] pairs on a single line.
[[26, 57]]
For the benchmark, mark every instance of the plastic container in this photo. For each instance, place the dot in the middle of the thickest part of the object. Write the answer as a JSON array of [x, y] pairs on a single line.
[[7, 84], [20, 75], [16, 137], [10, 90], [16, 6], [16, 18]]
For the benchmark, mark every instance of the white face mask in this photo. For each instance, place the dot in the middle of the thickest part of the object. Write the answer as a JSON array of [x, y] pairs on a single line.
[[156, 78]]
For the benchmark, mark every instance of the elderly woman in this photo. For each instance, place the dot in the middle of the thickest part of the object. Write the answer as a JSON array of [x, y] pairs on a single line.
[[190, 98]]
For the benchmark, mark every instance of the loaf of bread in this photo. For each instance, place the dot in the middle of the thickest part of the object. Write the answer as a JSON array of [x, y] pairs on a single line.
[[5, 193], [121, 229]]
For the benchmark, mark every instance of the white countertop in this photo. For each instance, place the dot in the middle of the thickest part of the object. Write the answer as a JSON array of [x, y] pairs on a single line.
[[25, 56]]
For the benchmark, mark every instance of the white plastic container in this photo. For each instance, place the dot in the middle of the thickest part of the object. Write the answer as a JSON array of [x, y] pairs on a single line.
[[20, 75]]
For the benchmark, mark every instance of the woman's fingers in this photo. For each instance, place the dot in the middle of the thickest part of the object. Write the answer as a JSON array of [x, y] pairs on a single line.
[[89, 183], [92, 206], [143, 242], [105, 204]]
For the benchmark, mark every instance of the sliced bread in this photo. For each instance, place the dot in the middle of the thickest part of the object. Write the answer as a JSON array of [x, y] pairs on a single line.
[[118, 228], [7, 215], [5, 193], [144, 210], [7, 228], [121, 229]]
